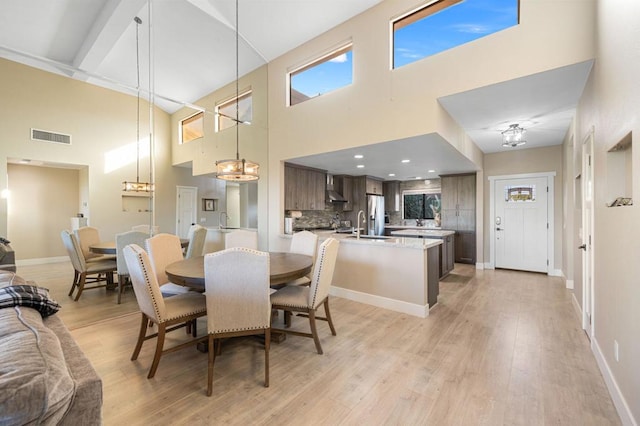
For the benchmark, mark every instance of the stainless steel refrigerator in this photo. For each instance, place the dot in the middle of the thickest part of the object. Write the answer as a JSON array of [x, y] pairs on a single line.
[[375, 215]]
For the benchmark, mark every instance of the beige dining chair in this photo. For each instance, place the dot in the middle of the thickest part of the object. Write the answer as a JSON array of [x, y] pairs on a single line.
[[241, 238], [123, 240], [168, 314], [164, 249], [197, 235], [308, 299], [88, 236], [237, 293], [99, 271], [306, 243], [146, 229]]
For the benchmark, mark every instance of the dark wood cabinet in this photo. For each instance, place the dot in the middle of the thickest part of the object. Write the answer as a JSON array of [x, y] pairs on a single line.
[[373, 186], [391, 191], [458, 213], [304, 189]]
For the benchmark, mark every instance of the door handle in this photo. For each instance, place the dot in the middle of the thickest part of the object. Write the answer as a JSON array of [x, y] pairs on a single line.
[[498, 229], [583, 247]]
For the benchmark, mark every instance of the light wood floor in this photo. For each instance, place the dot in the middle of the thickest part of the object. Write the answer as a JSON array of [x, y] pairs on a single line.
[[501, 347]]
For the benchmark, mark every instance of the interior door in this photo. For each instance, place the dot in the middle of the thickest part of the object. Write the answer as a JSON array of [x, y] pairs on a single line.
[[587, 235], [521, 224], [186, 208]]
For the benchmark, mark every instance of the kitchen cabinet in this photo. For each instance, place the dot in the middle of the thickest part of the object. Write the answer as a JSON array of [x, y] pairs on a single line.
[[373, 186], [304, 188], [391, 190], [343, 184], [458, 213]]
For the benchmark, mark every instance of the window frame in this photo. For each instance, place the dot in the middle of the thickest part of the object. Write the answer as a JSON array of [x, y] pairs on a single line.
[[333, 53], [247, 93], [424, 193], [191, 118]]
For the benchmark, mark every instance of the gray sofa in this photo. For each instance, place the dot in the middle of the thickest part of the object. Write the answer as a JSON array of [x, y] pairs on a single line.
[[45, 379]]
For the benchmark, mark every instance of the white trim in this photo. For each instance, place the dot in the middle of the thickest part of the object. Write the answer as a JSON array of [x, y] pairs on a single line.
[[42, 260], [381, 302], [550, 215], [488, 265], [577, 307], [479, 265], [569, 284], [555, 273], [626, 416]]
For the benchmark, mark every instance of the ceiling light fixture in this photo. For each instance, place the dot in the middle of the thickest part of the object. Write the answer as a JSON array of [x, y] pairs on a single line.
[[237, 169], [513, 136], [392, 174], [360, 166], [358, 156], [406, 161], [137, 186], [431, 171]]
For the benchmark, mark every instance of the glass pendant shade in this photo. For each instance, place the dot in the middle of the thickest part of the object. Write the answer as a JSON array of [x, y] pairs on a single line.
[[137, 186], [237, 170], [513, 136]]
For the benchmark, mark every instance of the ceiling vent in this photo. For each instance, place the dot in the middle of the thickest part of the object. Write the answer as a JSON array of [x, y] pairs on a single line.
[[43, 135]]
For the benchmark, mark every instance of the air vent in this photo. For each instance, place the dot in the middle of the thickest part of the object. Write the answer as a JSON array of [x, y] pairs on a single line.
[[43, 135]]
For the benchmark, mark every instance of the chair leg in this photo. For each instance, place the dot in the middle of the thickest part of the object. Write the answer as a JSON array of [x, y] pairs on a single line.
[[287, 319], [75, 282], [120, 287], [212, 359], [314, 331], [81, 280], [267, 344], [328, 315], [194, 328], [141, 336], [159, 345]]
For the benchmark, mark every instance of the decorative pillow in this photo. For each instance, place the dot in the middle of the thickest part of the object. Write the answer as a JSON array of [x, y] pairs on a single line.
[[30, 296]]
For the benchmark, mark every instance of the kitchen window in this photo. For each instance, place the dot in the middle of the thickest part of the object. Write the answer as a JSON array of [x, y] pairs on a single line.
[[323, 75], [420, 205], [226, 111], [192, 127], [445, 24]]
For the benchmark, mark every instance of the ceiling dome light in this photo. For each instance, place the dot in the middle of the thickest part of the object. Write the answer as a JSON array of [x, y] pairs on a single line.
[[513, 136]]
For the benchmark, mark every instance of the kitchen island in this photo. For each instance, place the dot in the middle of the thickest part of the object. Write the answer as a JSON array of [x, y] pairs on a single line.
[[396, 273], [447, 249]]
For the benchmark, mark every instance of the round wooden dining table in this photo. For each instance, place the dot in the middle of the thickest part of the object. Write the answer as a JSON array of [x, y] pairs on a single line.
[[109, 247], [283, 268]]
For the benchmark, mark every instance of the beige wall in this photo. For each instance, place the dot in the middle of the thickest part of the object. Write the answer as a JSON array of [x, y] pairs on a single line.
[[609, 106], [534, 160], [383, 104], [42, 200]]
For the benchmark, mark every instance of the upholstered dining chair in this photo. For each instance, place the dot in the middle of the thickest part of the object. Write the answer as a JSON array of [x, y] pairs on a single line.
[[168, 314], [86, 272], [237, 293], [306, 243], [123, 240], [308, 299], [241, 238], [146, 229], [164, 249], [197, 235], [88, 236]]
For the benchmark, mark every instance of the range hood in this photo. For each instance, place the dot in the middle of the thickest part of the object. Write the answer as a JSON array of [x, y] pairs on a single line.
[[332, 194]]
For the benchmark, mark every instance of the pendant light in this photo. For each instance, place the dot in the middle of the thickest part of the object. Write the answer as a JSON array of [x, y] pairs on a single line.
[[137, 186], [237, 169]]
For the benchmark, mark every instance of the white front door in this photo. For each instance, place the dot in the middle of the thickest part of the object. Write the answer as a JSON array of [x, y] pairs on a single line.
[[521, 224], [186, 208]]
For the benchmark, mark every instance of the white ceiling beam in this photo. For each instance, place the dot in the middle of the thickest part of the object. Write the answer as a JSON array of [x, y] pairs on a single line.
[[113, 20]]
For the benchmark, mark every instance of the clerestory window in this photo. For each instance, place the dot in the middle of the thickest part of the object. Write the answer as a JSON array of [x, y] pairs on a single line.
[[192, 127], [226, 111]]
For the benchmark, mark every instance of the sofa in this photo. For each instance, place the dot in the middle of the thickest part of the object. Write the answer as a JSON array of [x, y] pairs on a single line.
[[45, 379]]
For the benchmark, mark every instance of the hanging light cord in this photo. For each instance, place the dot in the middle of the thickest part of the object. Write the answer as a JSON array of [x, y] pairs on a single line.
[[237, 89], [138, 22]]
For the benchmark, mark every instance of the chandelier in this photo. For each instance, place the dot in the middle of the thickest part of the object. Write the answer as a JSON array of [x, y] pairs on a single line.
[[513, 136], [237, 169], [137, 186]]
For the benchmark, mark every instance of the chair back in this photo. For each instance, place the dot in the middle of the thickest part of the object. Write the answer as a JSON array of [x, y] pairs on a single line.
[[145, 284], [241, 238], [237, 290], [163, 249], [304, 242], [323, 272], [146, 229], [73, 250], [197, 235], [87, 236], [123, 240]]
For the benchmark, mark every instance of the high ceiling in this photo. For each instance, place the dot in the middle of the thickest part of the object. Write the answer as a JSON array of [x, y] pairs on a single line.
[[194, 54]]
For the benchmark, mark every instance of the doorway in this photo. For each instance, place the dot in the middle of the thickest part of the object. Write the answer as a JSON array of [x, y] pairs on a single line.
[[587, 235], [186, 208], [521, 228]]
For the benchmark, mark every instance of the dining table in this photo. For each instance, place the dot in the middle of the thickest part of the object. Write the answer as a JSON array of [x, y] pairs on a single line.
[[109, 247], [284, 267]]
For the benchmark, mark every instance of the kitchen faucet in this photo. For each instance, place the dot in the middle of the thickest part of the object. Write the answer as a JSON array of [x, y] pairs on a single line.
[[226, 219], [358, 223]]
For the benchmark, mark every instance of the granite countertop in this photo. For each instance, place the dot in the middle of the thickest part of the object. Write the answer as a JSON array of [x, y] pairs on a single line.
[[437, 233], [399, 242], [387, 226]]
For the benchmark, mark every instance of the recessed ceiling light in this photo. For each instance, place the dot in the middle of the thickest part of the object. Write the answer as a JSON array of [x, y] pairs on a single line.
[[431, 171], [358, 156], [418, 177], [392, 174], [406, 161], [360, 166]]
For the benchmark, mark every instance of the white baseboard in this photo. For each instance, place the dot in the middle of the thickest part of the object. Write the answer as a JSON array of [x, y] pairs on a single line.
[[618, 399], [488, 265], [577, 307], [381, 302], [555, 273], [569, 284], [29, 262], [479, 265]]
